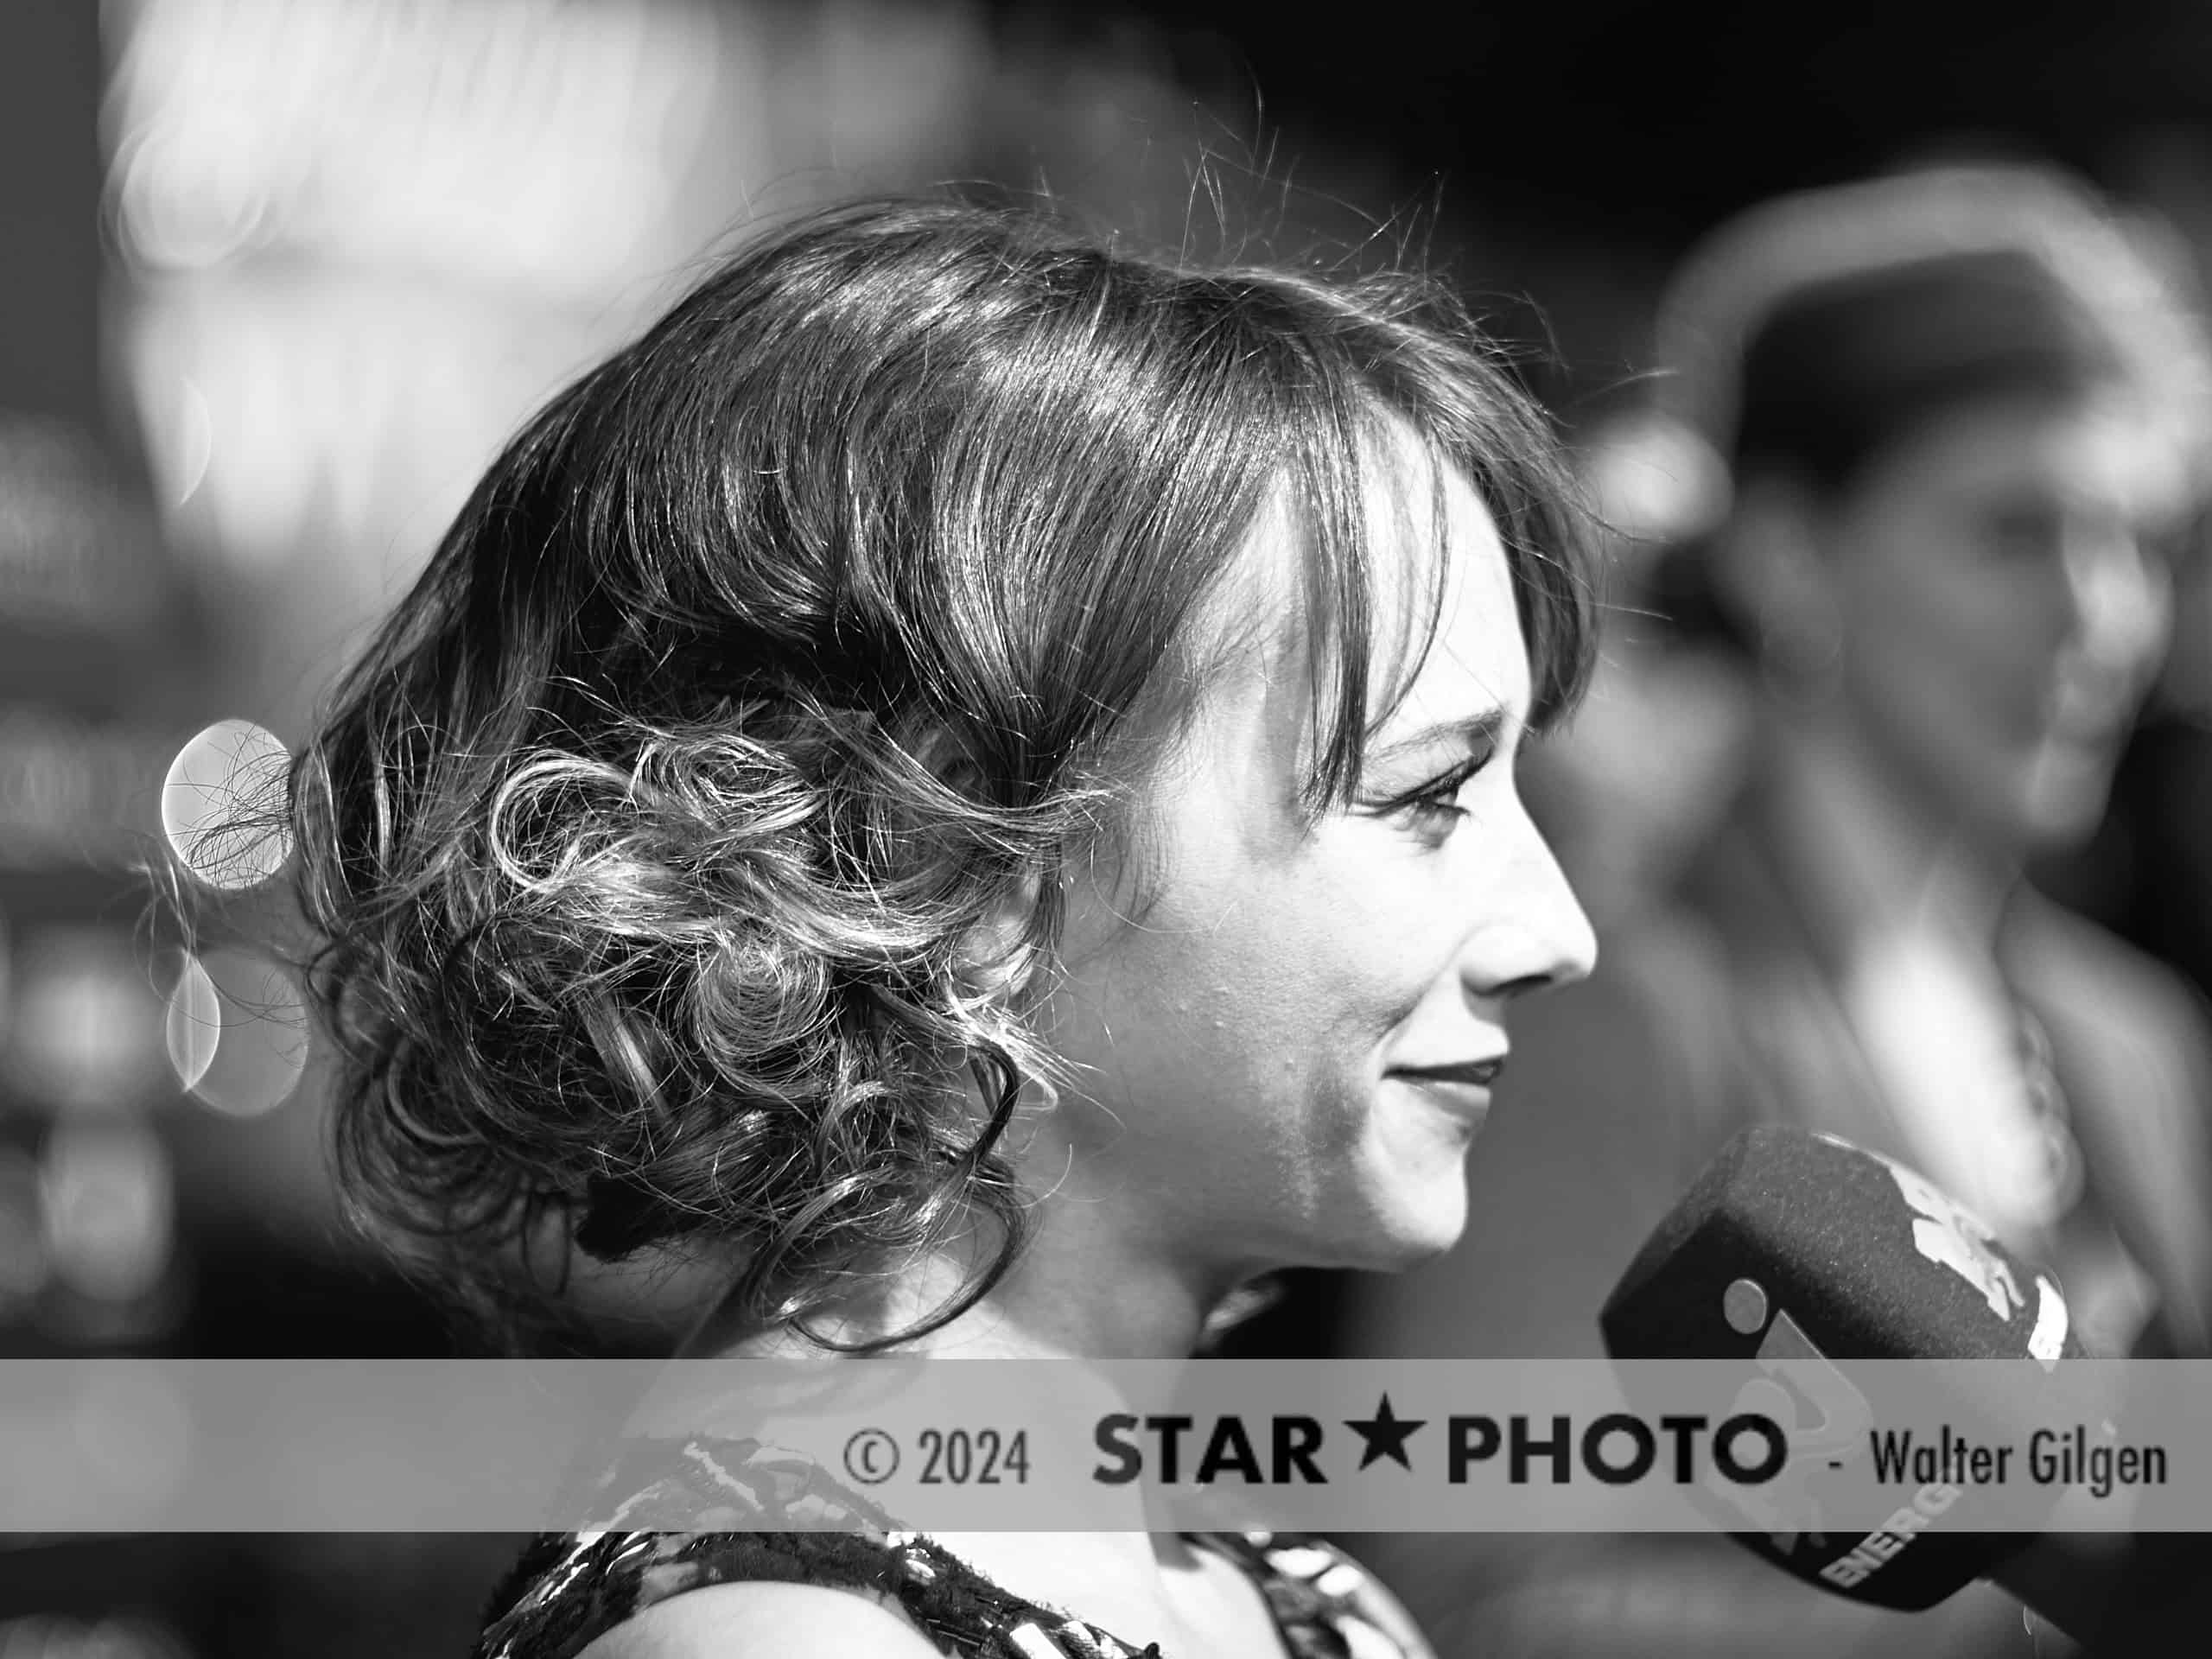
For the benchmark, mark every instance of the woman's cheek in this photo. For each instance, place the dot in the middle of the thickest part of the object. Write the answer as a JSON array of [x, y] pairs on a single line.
[[1397, 923]]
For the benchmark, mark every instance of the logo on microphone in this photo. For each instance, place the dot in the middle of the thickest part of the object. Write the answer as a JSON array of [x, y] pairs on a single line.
[[1829, 1429], [1950, 1235]]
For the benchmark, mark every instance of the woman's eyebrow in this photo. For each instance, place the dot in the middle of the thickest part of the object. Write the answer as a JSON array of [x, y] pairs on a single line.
[[1474, 732]]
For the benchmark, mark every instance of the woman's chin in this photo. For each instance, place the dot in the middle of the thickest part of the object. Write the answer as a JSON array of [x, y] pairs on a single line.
[[1417, 1224]]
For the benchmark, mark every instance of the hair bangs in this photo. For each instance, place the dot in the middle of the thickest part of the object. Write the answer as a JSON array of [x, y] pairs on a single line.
[[1368, 387]]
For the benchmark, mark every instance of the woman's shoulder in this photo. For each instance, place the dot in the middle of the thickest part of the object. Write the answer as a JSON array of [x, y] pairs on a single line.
[[836, 1575], [684, 1529], [763, 1621], [735, 1595], [714, 1546], [727, 1595]]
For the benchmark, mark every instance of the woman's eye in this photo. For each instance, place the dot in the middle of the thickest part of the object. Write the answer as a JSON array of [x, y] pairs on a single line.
[[1440, 797], [1436, 803]]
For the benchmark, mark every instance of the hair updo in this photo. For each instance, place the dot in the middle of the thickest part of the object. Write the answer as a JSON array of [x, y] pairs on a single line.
[[647, 846]]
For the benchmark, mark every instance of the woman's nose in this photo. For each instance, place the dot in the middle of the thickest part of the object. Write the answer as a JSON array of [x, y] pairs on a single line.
[[1541, 936]]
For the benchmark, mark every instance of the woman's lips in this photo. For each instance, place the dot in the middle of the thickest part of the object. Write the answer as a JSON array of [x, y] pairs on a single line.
[[1480, 1073], [1464, 1089]]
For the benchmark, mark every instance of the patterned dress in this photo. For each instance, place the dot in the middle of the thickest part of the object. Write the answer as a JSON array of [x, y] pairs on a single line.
[[569, 1588]]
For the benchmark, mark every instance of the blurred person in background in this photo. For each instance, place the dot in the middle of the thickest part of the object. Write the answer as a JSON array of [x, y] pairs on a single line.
[[967, 775], [1959, 416], [2148, 873]]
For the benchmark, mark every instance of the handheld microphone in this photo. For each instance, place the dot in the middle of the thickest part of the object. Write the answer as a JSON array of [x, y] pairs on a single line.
[[1793, 1246], [1868, 1259]]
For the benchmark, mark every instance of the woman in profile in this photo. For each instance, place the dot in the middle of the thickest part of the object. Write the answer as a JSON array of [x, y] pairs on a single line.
[[1959, 418], [969, 775]]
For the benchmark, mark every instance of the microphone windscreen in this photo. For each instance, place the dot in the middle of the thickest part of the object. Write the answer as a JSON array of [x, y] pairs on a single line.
[[1796, 1247], [1871, 1260]]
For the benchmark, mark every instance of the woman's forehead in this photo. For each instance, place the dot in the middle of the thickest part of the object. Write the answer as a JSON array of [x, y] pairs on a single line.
[[1435, 557], [1476, 659]]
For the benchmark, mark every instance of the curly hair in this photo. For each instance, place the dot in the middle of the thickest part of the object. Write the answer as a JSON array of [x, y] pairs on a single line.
[[648, 846]]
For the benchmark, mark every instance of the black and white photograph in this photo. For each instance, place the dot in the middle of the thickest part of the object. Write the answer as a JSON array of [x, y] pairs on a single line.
[[935, 708]]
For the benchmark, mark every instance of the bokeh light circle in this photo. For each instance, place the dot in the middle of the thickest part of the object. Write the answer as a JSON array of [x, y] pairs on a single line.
[[194, 1020], [83, 1027], [109, 1201], [1653, 479], [237, 1031], [223, 805]]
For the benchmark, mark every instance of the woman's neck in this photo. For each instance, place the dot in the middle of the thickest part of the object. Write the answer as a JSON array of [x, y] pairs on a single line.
[[1081, 1288]]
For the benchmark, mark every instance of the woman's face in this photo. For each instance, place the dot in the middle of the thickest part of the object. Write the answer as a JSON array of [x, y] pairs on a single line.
[[1284, 1052], [2003, 605]]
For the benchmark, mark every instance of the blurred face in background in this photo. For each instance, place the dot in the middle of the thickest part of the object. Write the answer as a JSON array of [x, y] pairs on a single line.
[[2003, 599]]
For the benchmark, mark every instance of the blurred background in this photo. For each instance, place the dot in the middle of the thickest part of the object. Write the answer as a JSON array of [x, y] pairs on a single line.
[[276, 276]]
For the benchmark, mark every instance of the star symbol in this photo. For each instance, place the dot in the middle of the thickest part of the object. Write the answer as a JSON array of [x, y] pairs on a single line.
[[1384, 1435]]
